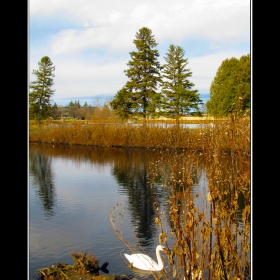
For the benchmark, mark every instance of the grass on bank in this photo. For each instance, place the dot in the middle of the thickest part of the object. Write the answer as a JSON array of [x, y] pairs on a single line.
[[233, 132]]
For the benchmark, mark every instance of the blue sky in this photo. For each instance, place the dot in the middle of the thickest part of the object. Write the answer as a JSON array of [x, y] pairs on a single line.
[[89, 41]]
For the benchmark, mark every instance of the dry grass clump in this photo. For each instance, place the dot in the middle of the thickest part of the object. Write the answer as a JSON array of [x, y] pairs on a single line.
[[84, 264], [86, 267]]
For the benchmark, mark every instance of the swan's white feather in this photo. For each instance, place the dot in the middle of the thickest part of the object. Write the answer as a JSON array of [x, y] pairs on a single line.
[[144, 262]]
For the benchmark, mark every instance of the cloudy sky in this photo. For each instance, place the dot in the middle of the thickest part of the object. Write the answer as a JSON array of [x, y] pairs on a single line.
[[89, 41]]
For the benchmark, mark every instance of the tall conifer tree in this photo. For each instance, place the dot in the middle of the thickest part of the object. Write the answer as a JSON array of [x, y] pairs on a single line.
[[179, 97], [139, 97], [41, 90]]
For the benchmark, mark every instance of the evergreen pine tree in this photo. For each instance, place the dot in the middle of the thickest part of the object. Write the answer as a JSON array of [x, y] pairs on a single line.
[[179, 97], [139, 97], [41, 90]]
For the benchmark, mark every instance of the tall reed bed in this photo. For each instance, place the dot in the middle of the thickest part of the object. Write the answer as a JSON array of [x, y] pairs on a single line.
[[210, 224], [211, 238], [228, 134]]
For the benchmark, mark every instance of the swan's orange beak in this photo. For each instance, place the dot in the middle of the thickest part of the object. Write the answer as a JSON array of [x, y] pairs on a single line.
[[164, 251]]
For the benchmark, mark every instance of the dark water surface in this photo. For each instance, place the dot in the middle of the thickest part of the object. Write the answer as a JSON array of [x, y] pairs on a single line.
[[73, 193]]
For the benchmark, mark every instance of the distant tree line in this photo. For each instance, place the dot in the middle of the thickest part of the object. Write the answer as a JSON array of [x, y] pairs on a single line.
[[72, 110], [153, 90], [76, 111]]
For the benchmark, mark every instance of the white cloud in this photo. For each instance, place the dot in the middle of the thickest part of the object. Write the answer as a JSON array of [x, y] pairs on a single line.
[[113, 27], [73, 41], [75, 78], [90, 54]]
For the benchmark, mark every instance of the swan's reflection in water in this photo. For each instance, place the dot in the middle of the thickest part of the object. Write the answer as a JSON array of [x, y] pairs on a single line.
[[144, 274]]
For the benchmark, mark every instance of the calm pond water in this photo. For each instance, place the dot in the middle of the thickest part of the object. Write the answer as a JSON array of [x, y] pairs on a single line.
[[73, 192]]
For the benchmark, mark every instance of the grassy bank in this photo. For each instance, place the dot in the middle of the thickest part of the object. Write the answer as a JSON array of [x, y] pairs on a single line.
[[230, 134]]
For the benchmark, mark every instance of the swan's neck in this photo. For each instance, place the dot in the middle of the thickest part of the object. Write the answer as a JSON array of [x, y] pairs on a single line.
[[160, 263]]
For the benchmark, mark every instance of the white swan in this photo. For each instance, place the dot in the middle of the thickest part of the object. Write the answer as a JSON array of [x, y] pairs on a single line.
[[144, 262]]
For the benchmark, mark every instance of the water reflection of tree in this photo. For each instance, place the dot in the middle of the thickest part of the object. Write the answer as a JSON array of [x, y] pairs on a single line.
[[131, 169], [132, 175], [42, 180]]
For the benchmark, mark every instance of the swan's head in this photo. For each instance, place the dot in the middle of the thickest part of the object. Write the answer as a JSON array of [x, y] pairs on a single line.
[[162, 248]]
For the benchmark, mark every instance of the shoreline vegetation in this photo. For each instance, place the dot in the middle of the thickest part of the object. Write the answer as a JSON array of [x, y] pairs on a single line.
[[214, 239], [231, 133]]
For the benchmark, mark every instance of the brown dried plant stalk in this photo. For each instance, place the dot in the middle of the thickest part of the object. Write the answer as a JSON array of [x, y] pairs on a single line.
[[209, 202], [213, 241]]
